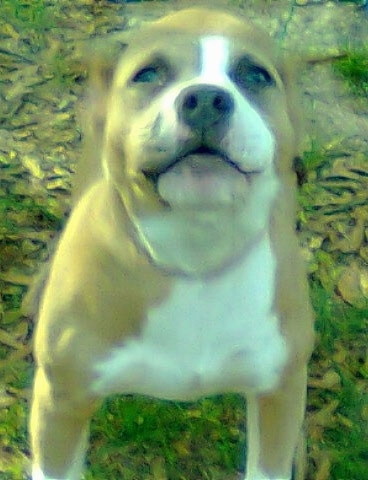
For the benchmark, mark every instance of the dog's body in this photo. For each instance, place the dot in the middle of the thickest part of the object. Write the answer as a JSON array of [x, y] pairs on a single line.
[[178, 274]]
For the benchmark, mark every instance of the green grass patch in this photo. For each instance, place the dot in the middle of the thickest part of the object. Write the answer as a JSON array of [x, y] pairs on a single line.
[[130, 433], [20, 212], [14, 445], [35, 21], [342, 332], [309, 167], [28, 15], [315, 158], [354, 68]]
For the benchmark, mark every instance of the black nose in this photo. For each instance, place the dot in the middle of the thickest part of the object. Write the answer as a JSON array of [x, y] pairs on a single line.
[[202, 106]]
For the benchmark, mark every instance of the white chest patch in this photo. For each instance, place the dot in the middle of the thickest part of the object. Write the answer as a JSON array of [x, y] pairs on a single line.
[[209, 336]]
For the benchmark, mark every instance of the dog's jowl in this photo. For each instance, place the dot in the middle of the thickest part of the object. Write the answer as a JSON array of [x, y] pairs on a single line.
[[178, 274]]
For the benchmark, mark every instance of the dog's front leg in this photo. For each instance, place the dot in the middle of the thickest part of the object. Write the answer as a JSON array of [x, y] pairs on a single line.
[[274, 424], [59, 430]]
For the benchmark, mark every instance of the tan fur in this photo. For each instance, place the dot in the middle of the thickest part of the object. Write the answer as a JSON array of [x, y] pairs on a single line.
[[101, 283]]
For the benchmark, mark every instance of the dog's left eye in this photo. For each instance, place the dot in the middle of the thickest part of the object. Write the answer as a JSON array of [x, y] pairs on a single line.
[[151, 74], [250, 76]]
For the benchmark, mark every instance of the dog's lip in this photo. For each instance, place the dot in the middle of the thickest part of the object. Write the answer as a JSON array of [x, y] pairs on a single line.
[[153, 174]]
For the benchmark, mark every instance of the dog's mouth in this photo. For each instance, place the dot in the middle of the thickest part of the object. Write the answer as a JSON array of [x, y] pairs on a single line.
[[201, 177], [203, 156]]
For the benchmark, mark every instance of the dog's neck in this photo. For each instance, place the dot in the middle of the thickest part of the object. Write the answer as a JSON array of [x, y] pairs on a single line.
[[178, 244], [199, 243]]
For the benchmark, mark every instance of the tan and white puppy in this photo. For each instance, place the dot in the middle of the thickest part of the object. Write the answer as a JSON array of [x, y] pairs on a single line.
[[178, 274]]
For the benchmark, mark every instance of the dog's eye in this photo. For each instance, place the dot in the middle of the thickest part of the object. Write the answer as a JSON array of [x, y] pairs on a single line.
[[250, 76], [146, 75], [151, 74]]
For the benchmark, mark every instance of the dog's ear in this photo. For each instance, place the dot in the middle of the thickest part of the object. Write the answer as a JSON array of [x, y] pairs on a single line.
[[291, 67], [100, 58]]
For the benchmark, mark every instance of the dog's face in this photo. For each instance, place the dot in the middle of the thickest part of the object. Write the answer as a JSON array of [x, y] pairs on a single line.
[[196, 123]]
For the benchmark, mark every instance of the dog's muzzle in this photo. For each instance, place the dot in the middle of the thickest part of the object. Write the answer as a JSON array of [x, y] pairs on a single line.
[[204, 175]]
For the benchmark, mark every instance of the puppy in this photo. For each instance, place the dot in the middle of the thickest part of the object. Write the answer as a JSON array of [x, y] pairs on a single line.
[[179, 275]]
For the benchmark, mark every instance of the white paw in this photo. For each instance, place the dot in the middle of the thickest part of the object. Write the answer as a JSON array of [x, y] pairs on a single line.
[[37, 474], [259, 475]]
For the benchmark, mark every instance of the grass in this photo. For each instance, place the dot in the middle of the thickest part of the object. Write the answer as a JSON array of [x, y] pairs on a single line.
[[342, 345], [18, 211], [129, 433], [36, 22], [30, 15], [314, 159], [354, 68]]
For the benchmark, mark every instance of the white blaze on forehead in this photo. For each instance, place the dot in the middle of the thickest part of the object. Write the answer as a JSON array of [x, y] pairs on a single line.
[[214, 58]]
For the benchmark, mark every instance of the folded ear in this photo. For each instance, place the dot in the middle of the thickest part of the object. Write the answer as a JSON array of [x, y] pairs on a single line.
[[291, 70], [100, 58]]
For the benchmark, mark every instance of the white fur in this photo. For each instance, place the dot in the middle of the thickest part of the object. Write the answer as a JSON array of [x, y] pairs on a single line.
[[215, 54], [37, 474], [76, 468], [208, 337], [180, 240]]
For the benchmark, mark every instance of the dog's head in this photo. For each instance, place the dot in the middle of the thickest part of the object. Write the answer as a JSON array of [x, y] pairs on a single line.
[[197, 128]]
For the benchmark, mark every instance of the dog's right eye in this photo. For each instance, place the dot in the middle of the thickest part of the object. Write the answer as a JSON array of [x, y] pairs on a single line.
[[150, 74], [251, 76]]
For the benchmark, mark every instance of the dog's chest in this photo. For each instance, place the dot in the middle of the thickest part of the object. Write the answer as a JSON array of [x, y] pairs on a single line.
[[207, 337]]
